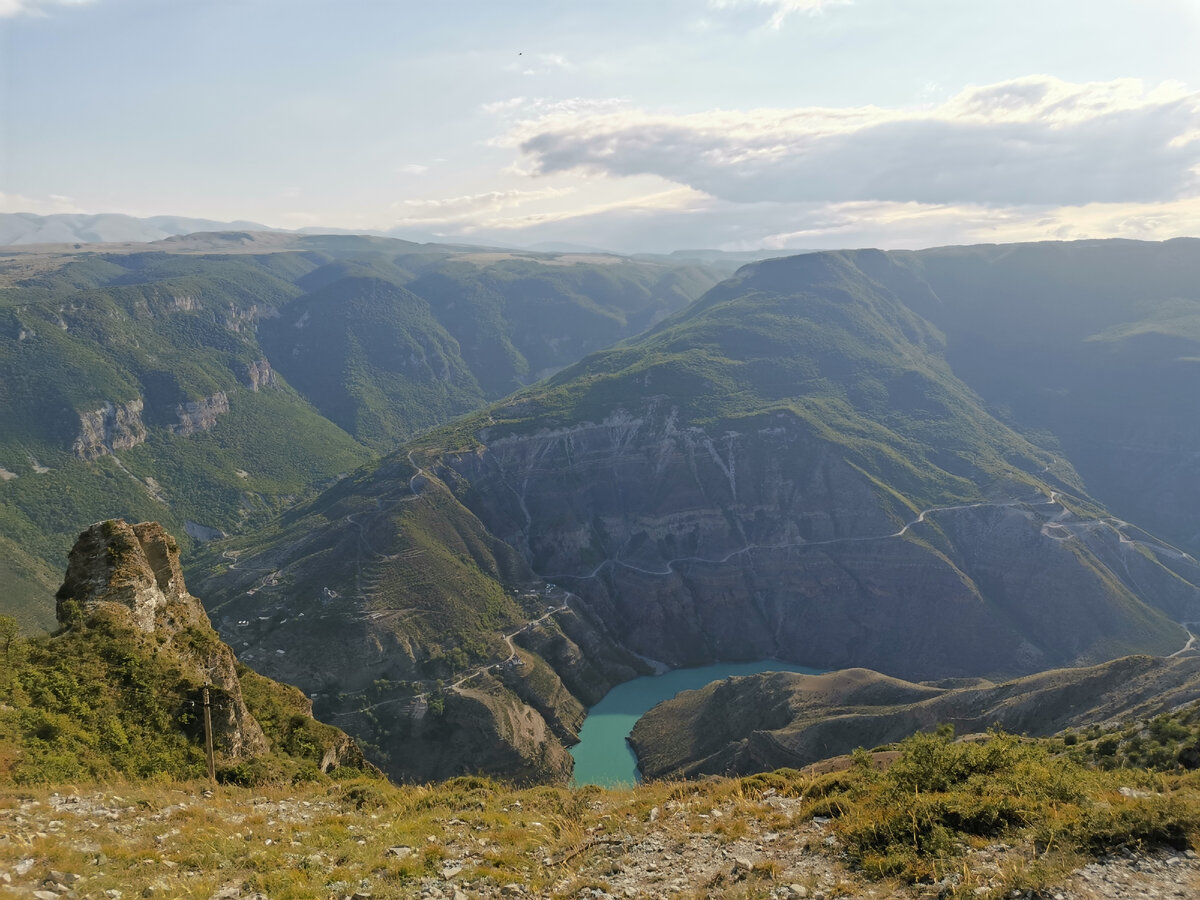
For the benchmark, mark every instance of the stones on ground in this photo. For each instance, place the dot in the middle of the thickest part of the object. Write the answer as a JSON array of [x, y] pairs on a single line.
[[640, 859]]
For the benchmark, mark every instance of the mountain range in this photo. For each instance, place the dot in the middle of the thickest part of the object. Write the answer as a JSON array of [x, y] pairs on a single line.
[[803, 463], [470, 489]]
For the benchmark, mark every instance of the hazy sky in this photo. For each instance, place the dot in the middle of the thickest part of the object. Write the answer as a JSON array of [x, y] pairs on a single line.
[[654, 124]]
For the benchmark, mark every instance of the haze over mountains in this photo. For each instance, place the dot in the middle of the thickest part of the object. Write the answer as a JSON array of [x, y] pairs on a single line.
[[70, 228], [22, 229]]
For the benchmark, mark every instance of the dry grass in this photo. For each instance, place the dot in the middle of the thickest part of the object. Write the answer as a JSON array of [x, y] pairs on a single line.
[[974, 832]]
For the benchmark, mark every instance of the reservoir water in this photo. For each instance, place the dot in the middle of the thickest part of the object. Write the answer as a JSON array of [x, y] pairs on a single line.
[[603, 756]]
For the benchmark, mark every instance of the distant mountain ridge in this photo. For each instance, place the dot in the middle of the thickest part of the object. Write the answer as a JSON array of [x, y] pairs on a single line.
[[71, 228]]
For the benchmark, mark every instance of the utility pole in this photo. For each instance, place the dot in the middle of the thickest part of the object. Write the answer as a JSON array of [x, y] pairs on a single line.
[[208, 747]]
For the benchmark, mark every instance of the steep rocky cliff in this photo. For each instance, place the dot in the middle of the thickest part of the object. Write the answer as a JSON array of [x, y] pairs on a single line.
[[124, 597], [112, 427], [199, 415]]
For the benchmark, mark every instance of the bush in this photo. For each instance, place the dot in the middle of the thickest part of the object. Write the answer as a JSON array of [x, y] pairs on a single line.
[[916, 819]]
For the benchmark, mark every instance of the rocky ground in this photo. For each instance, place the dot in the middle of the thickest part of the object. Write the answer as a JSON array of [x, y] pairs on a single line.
[[331, 843]]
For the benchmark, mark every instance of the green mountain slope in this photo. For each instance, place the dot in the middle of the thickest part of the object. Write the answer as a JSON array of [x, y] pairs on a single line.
[[177, 381], [790, 467], [1093, 345], [373, 359]]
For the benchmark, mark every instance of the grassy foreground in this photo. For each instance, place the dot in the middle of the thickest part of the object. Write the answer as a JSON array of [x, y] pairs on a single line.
[[978, 818]]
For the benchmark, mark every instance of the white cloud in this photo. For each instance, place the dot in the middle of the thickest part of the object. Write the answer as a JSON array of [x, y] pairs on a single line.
[[10, 8], [414, 169], [924, 225], [538, 63], [49, 205], [781, 9], [1035, 140], [645, 206], [549, 109], [672, 219], [505, 106], [470, 206], [492, 213]]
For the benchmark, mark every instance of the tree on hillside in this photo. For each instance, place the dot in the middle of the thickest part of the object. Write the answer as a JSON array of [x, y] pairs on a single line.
[[9, 630]]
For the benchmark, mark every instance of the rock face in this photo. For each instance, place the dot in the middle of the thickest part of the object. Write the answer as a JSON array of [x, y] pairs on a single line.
[[124, 592], [258, 375], [764, 722], [200, 415], [112, 427], [695, 545], [132, 573]]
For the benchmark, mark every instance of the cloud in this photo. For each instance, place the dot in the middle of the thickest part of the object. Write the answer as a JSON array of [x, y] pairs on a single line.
[[1035, 140], [10, 8], [644, 206], [922, 225], [538, 63], [470, 206], [551, 109], [781, 9], [413, 169], [490, 214], [49, 205]]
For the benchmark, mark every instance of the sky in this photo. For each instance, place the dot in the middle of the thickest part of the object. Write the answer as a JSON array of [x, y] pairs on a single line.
[[633, 126]]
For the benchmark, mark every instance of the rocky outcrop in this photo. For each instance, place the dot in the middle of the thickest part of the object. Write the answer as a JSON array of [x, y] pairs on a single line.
[[124, 585], [257, 374], [199, 415], [202, 533], [131, 573], [112, 427], [764, 722]]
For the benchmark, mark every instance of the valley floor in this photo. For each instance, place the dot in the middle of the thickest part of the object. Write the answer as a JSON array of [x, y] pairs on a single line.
[[473, 838]]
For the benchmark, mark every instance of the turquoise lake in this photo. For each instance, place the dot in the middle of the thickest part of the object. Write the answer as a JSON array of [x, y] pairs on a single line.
[[603, 756]]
